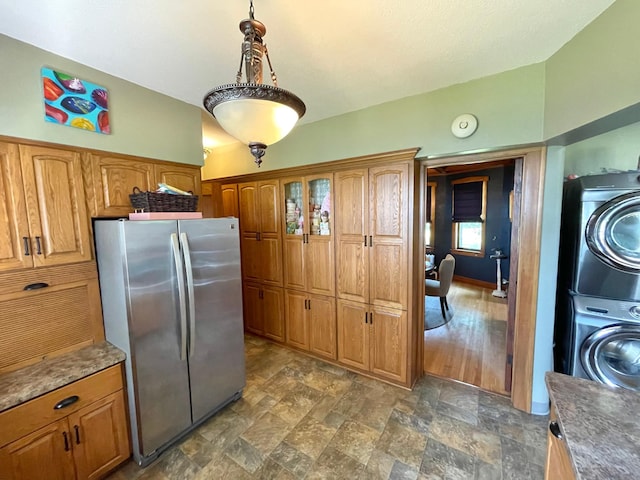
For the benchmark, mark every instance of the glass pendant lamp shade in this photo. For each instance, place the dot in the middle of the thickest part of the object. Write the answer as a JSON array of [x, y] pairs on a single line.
[[256, 114]]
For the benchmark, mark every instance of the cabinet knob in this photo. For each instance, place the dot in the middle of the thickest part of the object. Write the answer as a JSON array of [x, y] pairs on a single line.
[[554, 428]]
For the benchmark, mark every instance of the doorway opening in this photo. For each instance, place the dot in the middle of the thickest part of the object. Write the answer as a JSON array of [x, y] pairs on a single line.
[[472, 342]]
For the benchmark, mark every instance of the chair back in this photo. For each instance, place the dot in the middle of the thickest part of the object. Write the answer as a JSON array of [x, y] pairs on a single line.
[[445, 273]]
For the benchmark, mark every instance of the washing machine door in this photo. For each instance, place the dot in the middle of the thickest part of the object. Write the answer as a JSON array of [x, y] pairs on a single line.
[[613, 232], [611, 355]]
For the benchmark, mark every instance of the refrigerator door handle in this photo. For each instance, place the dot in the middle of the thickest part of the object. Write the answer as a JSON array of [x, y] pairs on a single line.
[[184, 242], [175, 247]]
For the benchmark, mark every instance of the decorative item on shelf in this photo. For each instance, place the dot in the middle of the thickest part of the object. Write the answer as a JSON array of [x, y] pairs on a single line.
[[160, 201], [255, 113]]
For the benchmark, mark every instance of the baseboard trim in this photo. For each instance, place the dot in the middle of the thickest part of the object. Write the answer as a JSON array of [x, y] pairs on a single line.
[[473, 281]]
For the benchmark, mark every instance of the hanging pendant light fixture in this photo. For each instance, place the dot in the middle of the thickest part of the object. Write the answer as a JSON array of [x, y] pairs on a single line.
[[256, 114]]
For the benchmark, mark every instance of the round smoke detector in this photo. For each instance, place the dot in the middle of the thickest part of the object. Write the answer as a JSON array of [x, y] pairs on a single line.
[[464, 125]]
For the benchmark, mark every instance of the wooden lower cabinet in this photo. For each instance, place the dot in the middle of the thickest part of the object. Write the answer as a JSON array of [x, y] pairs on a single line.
[[311, 323], [263, 307], [558, 465], [87, 442], [373, 339]]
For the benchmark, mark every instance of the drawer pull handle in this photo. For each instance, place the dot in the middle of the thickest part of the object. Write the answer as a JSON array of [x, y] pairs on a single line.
[[36, 286], [554, 428], [77, 429], [66, 402], [66, 441]]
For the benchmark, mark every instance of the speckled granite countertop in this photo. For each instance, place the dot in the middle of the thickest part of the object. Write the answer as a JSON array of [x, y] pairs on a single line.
[[601, 426], [43, 377]]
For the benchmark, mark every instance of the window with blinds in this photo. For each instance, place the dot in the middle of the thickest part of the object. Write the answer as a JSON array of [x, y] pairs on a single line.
[[468, 211], [430, 213]]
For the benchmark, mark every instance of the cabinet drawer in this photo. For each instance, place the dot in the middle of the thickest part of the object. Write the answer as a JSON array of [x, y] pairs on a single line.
[[34, 414]]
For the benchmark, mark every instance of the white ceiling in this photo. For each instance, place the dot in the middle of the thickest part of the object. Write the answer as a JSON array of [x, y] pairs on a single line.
[[337, 55]]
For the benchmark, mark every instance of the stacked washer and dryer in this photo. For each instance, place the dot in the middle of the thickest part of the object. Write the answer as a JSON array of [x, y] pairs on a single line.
[[597, 328]]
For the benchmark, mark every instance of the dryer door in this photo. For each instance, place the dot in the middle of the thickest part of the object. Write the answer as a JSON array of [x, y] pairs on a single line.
[[611, 356], [613, 232]]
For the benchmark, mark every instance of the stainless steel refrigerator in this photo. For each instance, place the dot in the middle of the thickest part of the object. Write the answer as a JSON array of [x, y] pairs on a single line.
[[172, 300]]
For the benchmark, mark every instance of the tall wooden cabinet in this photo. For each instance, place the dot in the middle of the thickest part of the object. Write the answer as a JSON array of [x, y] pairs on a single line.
[[44, 216], [328, 260], [372, 252], [261, 250], [308, 262]]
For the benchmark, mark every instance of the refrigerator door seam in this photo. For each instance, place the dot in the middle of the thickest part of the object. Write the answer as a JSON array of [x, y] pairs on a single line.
[[184, 241], [183, 314]]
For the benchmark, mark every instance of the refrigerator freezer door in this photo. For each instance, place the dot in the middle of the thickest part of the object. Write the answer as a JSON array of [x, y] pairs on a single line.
[[216, 358], [158, 379]]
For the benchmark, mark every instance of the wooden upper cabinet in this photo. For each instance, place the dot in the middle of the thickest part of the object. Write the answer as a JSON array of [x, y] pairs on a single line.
[[14, 227], [259, 204], [114, 180], [388, 235], [230, 200], [248, 207], [44, 215], [308, 233], [352, 224], [183, 177]]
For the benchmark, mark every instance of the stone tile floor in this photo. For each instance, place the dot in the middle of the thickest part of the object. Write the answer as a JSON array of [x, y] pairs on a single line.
[[300, 418]]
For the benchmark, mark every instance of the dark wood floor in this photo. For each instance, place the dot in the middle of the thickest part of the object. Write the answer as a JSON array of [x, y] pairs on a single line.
[[471, 347]]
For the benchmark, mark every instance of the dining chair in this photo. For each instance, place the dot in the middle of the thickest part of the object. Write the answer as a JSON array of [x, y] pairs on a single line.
[[440, 287]]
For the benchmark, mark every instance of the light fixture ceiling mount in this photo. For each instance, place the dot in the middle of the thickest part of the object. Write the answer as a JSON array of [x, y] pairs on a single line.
[[255, 113]]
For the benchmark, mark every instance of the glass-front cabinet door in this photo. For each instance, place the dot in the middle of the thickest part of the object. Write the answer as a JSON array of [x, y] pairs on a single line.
[[308, 238]]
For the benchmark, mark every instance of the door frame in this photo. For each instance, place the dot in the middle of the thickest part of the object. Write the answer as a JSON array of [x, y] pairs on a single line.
[[528, 213]]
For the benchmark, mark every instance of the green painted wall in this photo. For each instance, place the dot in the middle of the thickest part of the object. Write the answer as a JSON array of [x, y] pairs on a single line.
[[509, 108], [618, 149], [596, 73], [143, 122]]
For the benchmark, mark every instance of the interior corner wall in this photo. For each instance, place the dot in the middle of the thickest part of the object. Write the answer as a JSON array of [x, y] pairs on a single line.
[[143, 122], [596, 73], [508, 105], [618, 149]]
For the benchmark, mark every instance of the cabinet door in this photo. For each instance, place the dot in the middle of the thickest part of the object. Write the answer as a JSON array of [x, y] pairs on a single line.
[[184, 177], [296, 319], [100, 436], [250, 250], [269, 200], [114, 179], [389, 343], [252, 300], [293, 233], [353, 334], [46, 453], [270, 259], [389, 203], [294, 262], [56, 206], [320, 267], [249, 207], [230, 200], [273, 313], [322, 326], [352, 253], [14, 227]]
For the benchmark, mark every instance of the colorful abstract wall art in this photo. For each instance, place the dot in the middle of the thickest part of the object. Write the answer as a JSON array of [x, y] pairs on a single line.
[[74, 102]]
